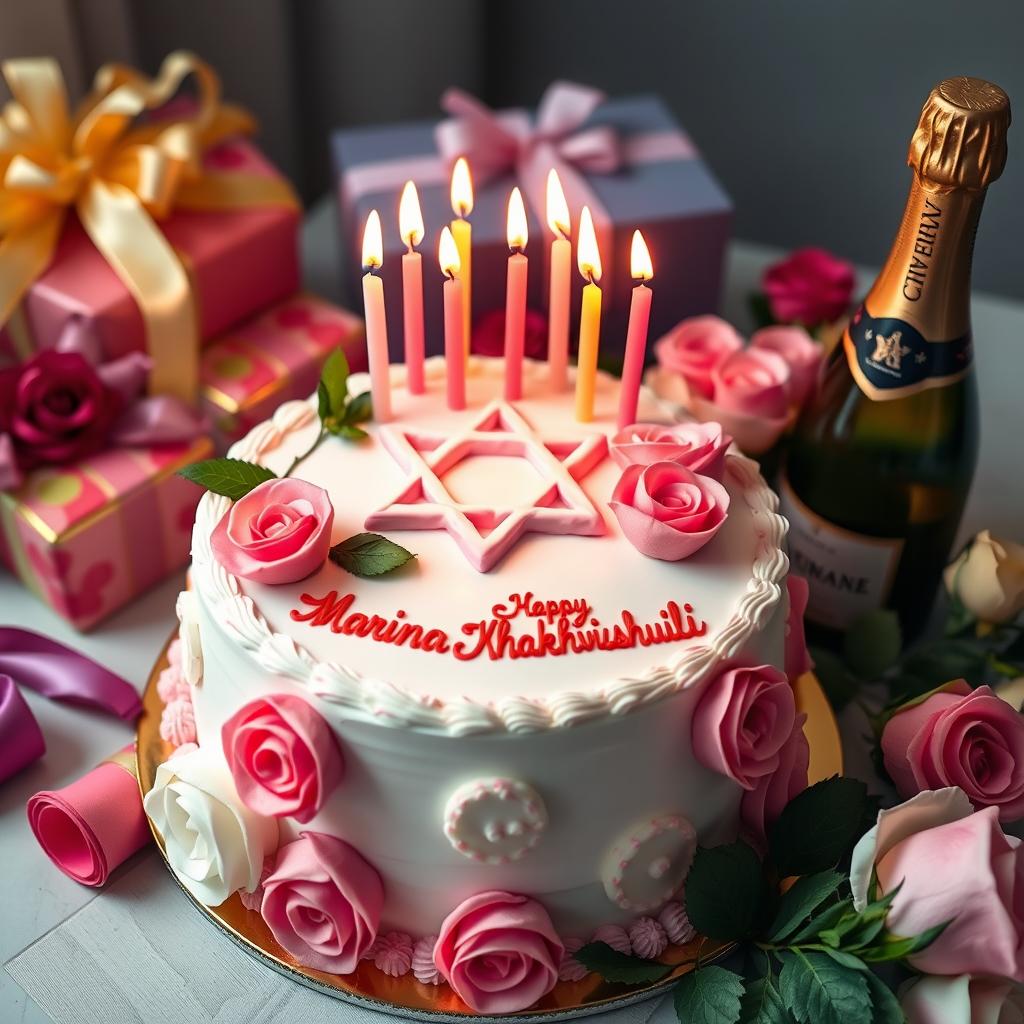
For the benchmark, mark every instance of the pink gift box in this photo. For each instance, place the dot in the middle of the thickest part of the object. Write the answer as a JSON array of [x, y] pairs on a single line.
[[89, 537], [272, 358], [239, 261]]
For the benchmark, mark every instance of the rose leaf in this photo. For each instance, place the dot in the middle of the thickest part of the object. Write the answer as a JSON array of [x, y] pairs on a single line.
[[233, 478], [369, 554]]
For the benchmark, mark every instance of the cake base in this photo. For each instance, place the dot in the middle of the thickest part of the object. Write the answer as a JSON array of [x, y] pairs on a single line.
[[407, 997]]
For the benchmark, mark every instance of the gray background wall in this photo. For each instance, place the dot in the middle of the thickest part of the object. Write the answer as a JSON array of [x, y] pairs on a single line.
[[804, 108]]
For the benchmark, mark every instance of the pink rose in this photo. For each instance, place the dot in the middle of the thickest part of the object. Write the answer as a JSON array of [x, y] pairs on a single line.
[[279, 532], [499, 952], [954, 865], [283, 757], [761, 806], [797, 659], [959, 737], [488, 336], [931, 999], [742, 722], [700, 447], [323, 903], [694, 347], [754, 382], [666, 511], [803, 356], [809, 287]]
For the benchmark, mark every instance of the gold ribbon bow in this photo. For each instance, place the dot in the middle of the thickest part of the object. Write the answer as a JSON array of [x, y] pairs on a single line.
[[121, 174]]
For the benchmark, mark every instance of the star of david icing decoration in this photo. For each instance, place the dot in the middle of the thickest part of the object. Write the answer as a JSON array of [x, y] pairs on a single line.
[[486, 533]]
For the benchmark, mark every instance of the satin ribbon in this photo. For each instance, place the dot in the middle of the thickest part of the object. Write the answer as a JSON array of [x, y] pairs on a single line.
[[59, 673], [121, 174]]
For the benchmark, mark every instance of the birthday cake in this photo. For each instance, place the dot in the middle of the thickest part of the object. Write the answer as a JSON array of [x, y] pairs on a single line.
[[541, 662]]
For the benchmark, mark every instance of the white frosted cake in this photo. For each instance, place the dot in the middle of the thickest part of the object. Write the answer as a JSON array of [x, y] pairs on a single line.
[[499, 742]]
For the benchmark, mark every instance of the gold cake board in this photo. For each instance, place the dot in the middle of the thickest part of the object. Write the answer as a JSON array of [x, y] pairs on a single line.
[[407, 997]]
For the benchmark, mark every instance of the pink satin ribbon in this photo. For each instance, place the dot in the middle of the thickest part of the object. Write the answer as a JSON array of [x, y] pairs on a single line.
[[59, 673]]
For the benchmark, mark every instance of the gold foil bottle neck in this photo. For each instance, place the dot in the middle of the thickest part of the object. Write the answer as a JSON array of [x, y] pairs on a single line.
[[960, 141]]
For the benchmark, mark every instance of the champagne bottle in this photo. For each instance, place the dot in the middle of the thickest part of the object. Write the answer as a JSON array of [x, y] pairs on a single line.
[[882, 458]]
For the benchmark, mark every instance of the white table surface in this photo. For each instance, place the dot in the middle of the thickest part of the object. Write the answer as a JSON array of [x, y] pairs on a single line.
[[36, 897]]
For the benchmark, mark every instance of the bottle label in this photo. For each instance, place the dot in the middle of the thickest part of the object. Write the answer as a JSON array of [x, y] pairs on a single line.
[[848, 574], [890, 358]]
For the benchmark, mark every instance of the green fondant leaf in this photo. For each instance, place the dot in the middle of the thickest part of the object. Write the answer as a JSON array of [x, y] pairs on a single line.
[[708, 995], [359, 409], [334, 378], [817, 990], [233, 478], [369, 554], [612, 965], [724, 890]]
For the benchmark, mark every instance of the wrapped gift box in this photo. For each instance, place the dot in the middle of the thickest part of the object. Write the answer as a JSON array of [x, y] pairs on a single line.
[[274, 357], [664, 188], [88, 537]]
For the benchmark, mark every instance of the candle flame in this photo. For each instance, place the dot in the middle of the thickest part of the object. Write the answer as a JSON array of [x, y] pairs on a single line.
[[373, 242], [640, 266], [588, 258], [410, 217], [448, 253], [516, 230], [462, 188], [557, 207]]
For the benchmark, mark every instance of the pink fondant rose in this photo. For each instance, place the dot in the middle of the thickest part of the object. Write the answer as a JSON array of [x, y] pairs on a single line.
[[754, 382], [695, 347], [279, 532], [802, 354], [809, 287], [761, 806], [951, 865], [499, 952], [699, 447], [282, 755], [959, 737], [323, 902], [668, 512], [742, 722]]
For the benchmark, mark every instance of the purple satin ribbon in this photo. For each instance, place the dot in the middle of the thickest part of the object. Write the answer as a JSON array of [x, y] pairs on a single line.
[[59, 673]]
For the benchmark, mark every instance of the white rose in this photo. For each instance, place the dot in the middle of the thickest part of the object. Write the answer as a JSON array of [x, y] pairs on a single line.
[[988, 578], [214, 843], [191, 650], [962, 1000]]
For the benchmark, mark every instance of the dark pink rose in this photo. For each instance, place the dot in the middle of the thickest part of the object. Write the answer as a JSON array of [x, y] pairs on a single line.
[[283, 756], [744, 719], [761, 806], [279, 532], [754, 382], [695, 347], [699, 447], [798, 660], [667, 511], [323, 903], [55, 409], [809, 287], [959, 737], [499, 952], [488, 337], [803, 356]]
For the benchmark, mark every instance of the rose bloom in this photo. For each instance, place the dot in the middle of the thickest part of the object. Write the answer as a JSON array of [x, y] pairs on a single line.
[[488, 336], [962, 1000], [279, 532], [283, 756], [988, 578], [761, 806], [668, 512], [700, 447], [695, 347], [499, 952], [809, 287], [959, 737], [55, 409], [952, 864], [754, 382], [802, 354]]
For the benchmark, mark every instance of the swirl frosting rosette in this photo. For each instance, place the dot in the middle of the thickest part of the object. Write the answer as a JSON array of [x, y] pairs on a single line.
[[323, 903], [499, 951], [283, 756], [695, 347], [279, 532], [214, 843], [668, 512], [699, 447]]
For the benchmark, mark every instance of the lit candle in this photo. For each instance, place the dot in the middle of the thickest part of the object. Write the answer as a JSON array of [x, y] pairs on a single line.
[[560, 283], [588, 259], [462, 232], [641, 270], [515, 296], [454, 321], [376, 320], [410, 224]]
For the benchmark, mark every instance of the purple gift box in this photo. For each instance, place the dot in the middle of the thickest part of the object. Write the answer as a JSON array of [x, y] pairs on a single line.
[[630, 160]]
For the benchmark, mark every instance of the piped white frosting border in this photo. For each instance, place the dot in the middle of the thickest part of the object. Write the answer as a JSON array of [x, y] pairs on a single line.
[[393, 705]]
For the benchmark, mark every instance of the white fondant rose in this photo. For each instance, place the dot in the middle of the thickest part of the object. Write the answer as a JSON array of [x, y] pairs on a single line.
[[214, 843]]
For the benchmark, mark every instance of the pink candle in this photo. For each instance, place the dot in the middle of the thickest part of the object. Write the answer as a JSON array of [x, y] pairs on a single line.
[[410, 221], [515, 297], [376, 320], [636, 334], [454, 322], [560, 283]]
